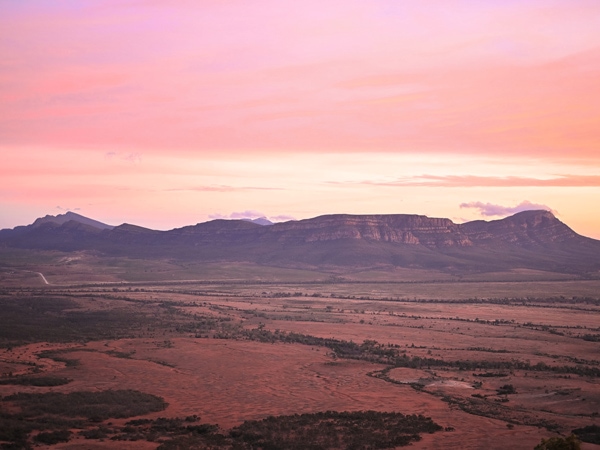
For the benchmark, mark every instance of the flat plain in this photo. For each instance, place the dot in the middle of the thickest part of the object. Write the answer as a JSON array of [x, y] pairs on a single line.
[[496, 360]]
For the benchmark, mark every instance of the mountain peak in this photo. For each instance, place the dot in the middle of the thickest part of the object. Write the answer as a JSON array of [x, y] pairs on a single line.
[[535, 213], [533, 218], [61, 219], [259, 221]]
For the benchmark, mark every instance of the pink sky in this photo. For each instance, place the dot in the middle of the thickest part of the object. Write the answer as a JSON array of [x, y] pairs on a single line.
[[170, 113]]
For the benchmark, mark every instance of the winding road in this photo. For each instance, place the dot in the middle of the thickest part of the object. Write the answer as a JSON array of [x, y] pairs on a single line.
[[43, 277]]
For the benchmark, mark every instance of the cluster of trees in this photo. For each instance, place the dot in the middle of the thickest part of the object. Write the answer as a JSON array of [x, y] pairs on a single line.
[[590, 434], [506, 389], [323, 430], [48, 380], [373, 351], [559, 443], [56, 318], [99, 405], [591, 337], [53, 414]]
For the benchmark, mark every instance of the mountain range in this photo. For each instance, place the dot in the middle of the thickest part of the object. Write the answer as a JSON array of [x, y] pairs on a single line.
[[531, 240]]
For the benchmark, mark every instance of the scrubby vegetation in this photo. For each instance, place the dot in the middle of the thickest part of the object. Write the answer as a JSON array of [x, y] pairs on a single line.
[[351, 430], [55, 319], [90, 405], [590, 434], [324, 430], [506, 389], [53, 413], [373, 351], [559, 443], [53, 437], [162, 316], [31, 319], [35, 381]]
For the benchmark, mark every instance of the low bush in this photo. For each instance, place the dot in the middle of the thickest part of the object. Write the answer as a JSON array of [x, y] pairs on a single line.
[[590, 434], [92, 405], [53, 437], [35, 381]]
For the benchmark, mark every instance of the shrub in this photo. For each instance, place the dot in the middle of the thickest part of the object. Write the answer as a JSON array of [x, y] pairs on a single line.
[[590, 434], [506, 389], [36, 381], [53, 437], [559, 443]]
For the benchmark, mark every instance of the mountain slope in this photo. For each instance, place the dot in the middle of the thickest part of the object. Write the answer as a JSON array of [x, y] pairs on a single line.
[[71, 216], [531, 239]]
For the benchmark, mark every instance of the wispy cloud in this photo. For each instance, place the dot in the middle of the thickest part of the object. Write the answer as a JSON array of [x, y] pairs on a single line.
[[248, 214], [212, 188], [251, 214], [281, 218], [223, 188], [489, 209], [491, 181], [132, 157]]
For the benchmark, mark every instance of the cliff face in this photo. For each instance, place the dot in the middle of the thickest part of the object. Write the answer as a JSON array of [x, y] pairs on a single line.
[[397, 228], [523, 229]]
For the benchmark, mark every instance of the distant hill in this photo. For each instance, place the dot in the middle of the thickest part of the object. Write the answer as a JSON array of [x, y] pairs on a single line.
[[71, 216], [260, 221], [531, 239]]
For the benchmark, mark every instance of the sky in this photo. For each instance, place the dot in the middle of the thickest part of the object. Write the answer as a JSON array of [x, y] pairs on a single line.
[[169, 113]]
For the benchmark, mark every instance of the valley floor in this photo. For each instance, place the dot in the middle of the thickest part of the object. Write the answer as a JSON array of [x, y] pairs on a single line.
[[492, 371]]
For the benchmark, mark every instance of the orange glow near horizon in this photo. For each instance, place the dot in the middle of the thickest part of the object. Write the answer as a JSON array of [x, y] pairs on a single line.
[[166, 114]]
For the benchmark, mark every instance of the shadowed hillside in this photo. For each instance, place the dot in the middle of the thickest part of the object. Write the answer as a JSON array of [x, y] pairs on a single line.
[[531, 239]]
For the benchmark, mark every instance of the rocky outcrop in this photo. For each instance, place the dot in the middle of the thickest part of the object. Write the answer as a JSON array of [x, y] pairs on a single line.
[[397, 228], [524, 229], [528, 228]]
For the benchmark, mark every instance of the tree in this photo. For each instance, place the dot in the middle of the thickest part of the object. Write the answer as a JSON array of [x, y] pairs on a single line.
[[559, 443]]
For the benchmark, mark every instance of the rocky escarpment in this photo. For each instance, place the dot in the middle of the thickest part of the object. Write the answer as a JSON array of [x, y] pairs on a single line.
[[397, 228], [524, 229]]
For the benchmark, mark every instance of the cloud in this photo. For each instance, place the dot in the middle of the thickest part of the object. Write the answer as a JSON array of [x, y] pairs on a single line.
[[224, 188], [60, 208], [132, 157], [213, 188], [478, 181], [99, 93], [281, 218], [251, 214], [489, 209]]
